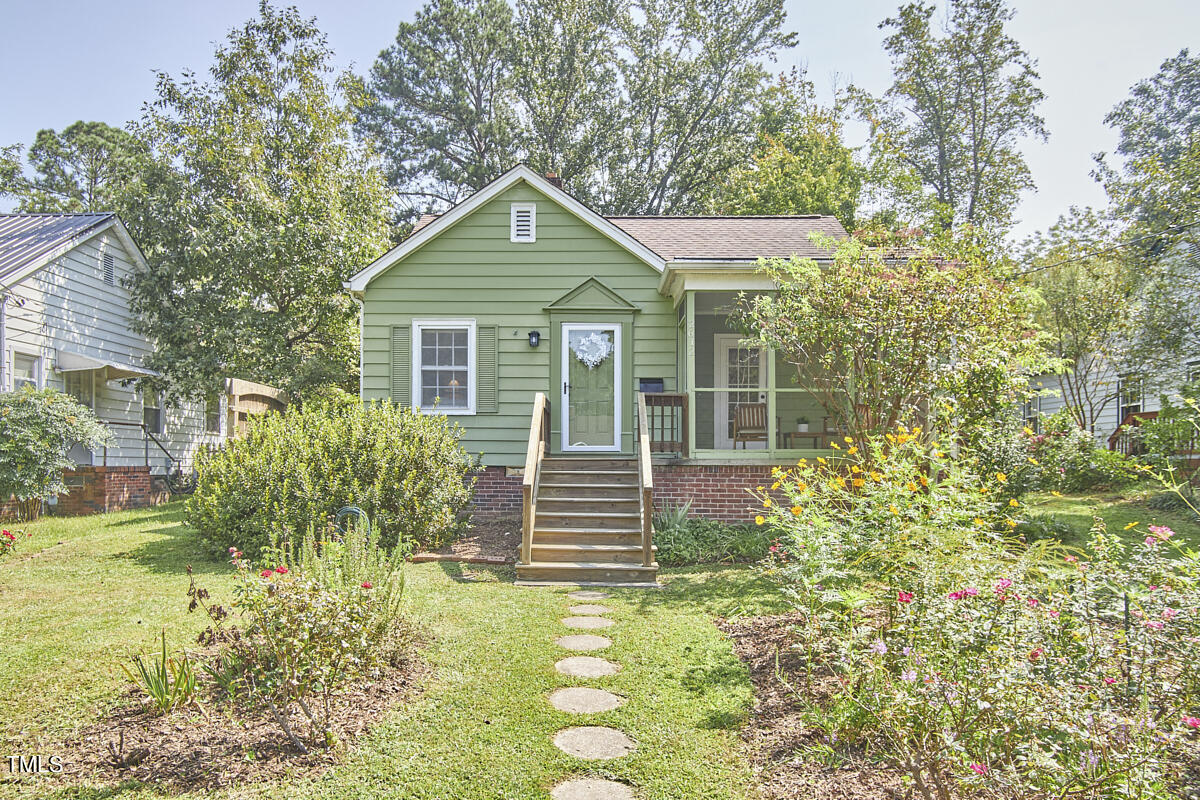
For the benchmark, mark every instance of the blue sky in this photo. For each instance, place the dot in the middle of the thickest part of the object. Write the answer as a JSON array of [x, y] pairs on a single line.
[[64, 61]]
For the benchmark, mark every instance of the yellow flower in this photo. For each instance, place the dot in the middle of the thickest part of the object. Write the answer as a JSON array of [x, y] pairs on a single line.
[[1132, 525], [852, 450], [1028, 431], [940, 454], [802, 462], [893, 509], [924, 481], [890, 438], [1013, 503], [834, 445], [774, 485], [840, 482], [876, 476], [848, 440], [767, 503], [980, 522], [1010, 523], [1032, 460], [821, 460], [912, 487], [856, 469], [901, 427], [1056, 493], [796, 511], [903, 438], [759, 489], [858, 483], [759, 520], [1000, 476], [801, 486]]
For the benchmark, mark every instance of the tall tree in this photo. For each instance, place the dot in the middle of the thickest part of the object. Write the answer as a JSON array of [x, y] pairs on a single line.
[[565, 86], [81, 169], [1158, 181], [441, 106], [253, 206], [642, 104], [959, 106], [1089, 310], [803, 167]]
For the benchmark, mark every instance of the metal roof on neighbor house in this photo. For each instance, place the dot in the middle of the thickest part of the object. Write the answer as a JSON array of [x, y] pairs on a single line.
[[26, 239], [731, 238]]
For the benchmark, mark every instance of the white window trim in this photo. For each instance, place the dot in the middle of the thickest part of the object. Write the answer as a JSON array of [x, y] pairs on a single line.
[[39, 368], [162, 413], [512, 222], [419, 325]]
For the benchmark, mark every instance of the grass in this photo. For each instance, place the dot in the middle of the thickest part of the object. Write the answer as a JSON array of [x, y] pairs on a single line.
[[1117, 511], [85, 593]]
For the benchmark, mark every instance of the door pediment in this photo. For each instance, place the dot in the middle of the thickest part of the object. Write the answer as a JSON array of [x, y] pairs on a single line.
[[592, 295]]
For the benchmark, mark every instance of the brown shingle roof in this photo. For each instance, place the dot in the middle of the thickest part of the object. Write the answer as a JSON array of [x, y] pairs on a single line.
[[722, 238], [732, 238]]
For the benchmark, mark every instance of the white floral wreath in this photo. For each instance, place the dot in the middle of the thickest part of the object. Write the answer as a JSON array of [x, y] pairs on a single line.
[[592, 349]]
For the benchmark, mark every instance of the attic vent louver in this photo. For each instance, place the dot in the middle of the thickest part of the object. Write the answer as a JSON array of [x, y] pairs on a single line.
[[523, 222], [109, 269]]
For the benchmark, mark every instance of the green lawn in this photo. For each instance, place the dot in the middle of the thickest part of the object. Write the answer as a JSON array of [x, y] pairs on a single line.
[[1117, 511], [102, 587]]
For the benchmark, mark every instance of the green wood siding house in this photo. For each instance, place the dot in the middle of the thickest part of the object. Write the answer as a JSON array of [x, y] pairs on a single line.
[[521, 290]]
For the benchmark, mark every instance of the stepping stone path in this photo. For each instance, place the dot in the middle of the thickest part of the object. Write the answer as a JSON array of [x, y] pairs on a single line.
[[591, 789], [589, 742], [587, 667], [587, 623], [582, 642]]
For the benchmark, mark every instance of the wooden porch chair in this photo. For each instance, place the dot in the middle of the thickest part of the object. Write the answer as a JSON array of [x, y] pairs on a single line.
[[749, 423]]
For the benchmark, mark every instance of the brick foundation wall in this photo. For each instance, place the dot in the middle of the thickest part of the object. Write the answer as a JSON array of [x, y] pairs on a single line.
[[95, 490], [716, 492], [497, 494]]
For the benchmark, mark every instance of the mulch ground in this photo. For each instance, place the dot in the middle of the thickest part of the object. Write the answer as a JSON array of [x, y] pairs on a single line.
[[489, 541], [776, 733], [222, 745]]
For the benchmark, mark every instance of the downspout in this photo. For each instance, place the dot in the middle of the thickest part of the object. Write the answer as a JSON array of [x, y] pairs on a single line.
[[3, 342], [357, 297]]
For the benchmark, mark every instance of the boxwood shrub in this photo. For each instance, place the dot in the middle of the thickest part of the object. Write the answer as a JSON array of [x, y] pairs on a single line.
[[294, 470]]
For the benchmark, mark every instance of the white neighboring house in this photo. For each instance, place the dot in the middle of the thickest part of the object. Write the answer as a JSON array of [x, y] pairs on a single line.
[[65, 323]]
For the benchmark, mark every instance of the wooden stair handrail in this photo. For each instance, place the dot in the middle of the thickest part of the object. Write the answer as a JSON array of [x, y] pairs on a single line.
[[539, 438], [1132, 420], [645, 482]]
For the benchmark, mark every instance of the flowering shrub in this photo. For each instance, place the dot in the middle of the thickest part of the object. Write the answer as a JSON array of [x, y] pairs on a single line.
[[294, 470], [9, 540], [972, 662]]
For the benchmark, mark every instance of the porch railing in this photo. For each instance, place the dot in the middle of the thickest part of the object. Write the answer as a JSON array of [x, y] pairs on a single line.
[[645, 480], [539, 441], [667, 418]]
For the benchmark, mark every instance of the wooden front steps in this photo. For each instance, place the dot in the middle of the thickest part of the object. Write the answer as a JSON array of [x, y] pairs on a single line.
[[587, 526]]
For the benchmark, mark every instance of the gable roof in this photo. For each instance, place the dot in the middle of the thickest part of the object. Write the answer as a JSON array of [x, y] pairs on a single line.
[[430, 230], [29, 242], [732, 238]]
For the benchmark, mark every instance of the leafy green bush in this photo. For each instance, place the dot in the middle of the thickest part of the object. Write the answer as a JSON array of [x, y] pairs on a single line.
[[37, 429], [1038, 527], [683, 541], [294, 470]]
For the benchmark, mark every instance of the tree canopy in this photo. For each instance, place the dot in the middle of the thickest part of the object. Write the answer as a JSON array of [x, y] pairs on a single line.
[[83, 168], [253, 205]]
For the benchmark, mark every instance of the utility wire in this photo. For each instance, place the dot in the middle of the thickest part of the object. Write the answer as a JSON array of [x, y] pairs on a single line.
[[1159, 234]]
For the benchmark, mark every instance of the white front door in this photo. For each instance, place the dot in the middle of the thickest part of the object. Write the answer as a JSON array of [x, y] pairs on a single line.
[[591, 386], [741, 372]]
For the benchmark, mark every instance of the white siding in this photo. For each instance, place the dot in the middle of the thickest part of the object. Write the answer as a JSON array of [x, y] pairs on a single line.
[[68, 306]]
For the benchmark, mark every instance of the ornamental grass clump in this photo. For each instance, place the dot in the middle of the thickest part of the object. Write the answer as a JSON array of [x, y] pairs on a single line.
[[971, 661]]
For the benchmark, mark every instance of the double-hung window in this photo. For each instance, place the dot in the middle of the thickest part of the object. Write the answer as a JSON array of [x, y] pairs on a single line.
[[212, 413], [444, 366], [152, 411], [1031, 412], [27, 371], [82, 386], [1129, 397]]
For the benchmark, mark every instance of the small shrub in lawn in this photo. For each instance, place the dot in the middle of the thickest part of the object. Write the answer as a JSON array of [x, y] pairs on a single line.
[[306, 624], [683, 542], [168, 682], [974, 662], [294, 470]]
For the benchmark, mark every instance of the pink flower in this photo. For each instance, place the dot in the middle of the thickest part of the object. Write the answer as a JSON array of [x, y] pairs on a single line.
[[903, 596], [978, 769], [266, 573], [1154, 624], [1053, 612], [1001, 585], [1110, 681], [1070, 559], [970, 591], [1170, 613], [1032, 601], [366, 584], [1192, 722], [232, 550], [908, 676], [1036, 654], [1151, 541], [1161, 532]]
